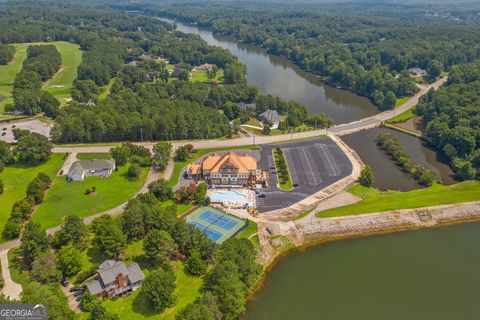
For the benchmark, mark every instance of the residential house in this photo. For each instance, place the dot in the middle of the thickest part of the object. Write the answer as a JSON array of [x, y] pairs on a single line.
[[418, 71], [79, 170], [271, 117], [247, 106], [204, 67], [229, 169], [115, 279]]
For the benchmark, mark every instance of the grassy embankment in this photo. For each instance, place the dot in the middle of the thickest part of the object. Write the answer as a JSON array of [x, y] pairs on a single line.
[[377, 201], [69, 198], [16, 177], [59, 85], [303, 214], [283, 174]]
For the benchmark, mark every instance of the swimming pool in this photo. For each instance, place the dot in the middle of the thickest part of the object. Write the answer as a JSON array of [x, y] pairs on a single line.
[[227, 196]]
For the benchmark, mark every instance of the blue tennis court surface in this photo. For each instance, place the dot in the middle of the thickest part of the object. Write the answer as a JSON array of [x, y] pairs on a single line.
[[217, 219], [217, 225], [212, 234]]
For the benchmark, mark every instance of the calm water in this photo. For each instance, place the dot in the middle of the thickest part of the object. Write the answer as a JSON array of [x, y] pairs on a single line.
[[421, 275], [389, 176], [279, 77]]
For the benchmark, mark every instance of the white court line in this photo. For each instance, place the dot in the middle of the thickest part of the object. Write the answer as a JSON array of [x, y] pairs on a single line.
[[310, 167], [322, 146]]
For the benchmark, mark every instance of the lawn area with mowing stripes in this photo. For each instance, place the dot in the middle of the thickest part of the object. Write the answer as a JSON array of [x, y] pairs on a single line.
[[70, 199], [16, 177], [59, 85]]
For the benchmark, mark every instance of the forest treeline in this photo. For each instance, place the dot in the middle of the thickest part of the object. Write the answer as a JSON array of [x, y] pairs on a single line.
[[6, 53], [363, 51], [452, 116], [41, 63]]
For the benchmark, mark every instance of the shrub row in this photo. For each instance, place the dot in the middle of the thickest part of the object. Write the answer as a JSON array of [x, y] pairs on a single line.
[[394, 148], [281, 164], [22, 209]]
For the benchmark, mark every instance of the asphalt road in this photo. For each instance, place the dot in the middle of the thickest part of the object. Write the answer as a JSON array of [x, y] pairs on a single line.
[[342, 129]]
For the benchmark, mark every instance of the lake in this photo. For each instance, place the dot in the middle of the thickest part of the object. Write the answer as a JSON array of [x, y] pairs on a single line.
[[421, 275], [280, 77]]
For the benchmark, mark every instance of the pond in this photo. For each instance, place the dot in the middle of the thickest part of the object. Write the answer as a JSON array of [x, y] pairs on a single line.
[[388, 175]]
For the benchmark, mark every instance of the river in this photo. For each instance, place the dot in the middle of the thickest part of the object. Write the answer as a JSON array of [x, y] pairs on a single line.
[[280, 77], [421, 275]]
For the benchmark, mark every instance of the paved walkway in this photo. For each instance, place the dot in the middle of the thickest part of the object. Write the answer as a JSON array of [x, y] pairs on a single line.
[[10, 289]]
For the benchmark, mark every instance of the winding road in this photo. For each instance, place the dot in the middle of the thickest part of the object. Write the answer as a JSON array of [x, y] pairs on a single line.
[[339, 130]]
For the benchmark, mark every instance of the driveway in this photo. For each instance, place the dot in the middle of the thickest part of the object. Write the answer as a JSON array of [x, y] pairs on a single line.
[[10, 289]]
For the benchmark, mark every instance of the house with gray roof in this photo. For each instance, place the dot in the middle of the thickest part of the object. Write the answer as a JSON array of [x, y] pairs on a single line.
[[114, 278], [271, 117], [81, 169]]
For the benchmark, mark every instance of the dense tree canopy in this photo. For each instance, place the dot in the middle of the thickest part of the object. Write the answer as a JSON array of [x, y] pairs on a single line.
[[452, 115], [362, 47], [6, 53]]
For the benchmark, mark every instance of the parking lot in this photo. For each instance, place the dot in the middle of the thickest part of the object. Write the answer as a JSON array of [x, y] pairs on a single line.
[[313, 165], [33, 125]]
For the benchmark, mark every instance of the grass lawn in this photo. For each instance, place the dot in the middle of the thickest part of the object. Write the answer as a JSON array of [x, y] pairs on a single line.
[[17, 271], [181, 208], [106, 90], [69, 198], [131, 307], [92, 156], [284, 180], [401, 101], [253, 122], [251, 229], [376, 201], [402, 117], [16, 178], [303, 214], [202, 76], [61, 82]]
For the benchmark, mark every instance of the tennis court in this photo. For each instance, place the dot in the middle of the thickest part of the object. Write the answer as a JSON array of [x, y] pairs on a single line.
[[217, 225]]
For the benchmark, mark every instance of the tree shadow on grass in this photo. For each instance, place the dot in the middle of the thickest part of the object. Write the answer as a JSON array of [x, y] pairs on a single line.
[[141, 306]]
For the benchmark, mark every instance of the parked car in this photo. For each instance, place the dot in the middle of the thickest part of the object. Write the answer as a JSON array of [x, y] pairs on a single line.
[[295, 185], [262, 195], [78, 293], [79, 297], [73, 289], [3, 133], [65, 282], [4, 129], [269, 230]]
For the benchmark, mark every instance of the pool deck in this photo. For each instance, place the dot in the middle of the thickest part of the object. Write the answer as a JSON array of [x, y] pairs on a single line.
[[248, 201]]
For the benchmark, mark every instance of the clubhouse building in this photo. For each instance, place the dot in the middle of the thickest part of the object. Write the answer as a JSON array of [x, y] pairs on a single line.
[[230, 169]]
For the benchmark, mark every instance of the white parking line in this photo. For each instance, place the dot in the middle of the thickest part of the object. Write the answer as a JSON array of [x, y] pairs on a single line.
[[309, 166], [334, 171]]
